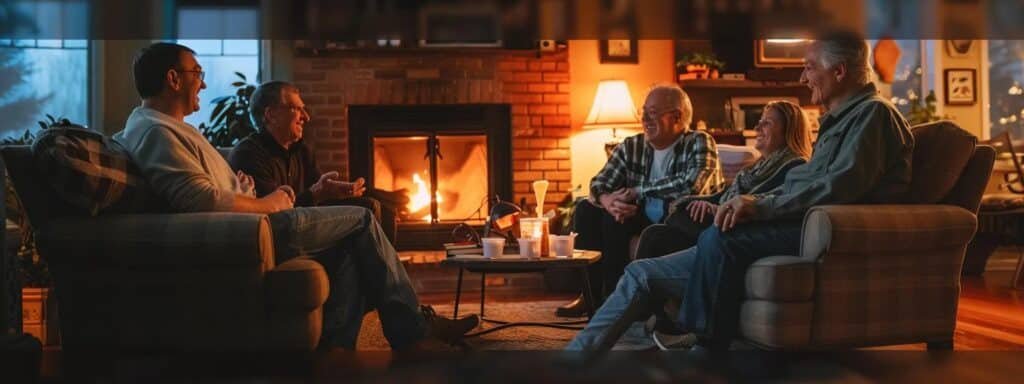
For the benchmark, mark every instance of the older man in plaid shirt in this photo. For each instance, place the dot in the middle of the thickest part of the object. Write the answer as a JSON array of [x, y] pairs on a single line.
[[645, 172]]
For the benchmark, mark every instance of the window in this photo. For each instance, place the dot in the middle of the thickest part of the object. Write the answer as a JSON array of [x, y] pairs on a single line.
[[1006, 95], [209, 30], [45, 72], [908, 85]]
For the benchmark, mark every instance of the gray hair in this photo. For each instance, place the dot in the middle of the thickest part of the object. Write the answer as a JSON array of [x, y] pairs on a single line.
[[677, 97], [845, 48], [267, 95]]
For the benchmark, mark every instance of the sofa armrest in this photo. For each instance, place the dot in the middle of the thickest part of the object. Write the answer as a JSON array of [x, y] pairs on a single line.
[[781, 278], [885, 273], [297, 284], [867, 231], [160, 240]]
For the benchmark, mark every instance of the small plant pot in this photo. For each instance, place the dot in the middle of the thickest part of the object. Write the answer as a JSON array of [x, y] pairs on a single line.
[[39, 314]]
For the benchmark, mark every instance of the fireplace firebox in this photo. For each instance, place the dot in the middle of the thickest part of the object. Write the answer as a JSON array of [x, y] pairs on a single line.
[[448, 159]]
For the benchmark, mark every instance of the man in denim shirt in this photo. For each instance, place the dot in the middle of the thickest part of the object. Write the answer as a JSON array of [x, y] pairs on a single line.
[[863, 155]]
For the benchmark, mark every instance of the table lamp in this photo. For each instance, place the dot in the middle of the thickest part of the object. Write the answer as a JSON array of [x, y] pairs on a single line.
[[612, 108]]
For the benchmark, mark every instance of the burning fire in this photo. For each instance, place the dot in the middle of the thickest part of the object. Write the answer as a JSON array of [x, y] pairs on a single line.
[[421, 199]]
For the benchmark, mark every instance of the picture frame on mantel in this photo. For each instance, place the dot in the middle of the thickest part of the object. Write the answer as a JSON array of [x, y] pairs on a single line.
[[618, 51], [961, 86]]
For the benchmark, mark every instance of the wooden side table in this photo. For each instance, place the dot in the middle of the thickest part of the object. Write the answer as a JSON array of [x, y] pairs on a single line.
[[513, 263]]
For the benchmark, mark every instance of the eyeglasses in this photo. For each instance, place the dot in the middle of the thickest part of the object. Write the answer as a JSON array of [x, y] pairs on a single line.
[[653, 115], [199, 73]]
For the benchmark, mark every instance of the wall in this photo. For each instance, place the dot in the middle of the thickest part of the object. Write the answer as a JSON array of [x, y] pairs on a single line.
[[972, 118], [656, 64], [535, 85]]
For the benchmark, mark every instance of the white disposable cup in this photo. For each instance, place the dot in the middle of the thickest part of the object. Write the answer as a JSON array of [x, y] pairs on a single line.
[[529, 248], [562, 245], [493, 246]]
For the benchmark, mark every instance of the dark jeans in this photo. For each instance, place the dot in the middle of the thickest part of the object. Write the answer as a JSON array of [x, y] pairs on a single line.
[[711, 302], [598, 231], [384, 214], [677, 233], [363, 272]]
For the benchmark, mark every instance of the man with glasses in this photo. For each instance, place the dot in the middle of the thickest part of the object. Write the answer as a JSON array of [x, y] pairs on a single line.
[[362, 267], [275, 155], [666, 161]]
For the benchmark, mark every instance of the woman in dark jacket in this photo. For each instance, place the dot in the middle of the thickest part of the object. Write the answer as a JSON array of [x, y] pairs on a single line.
[[784, 140]]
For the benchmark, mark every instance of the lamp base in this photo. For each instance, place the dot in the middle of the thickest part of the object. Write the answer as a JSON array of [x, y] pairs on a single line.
[[609, 147]]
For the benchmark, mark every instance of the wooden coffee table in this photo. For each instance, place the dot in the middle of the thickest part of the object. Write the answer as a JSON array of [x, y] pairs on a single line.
[[513, 263]]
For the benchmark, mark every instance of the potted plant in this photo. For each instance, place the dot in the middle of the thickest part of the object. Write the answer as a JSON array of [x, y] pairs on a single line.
[[230, 119], [697, 65], [38, 304]]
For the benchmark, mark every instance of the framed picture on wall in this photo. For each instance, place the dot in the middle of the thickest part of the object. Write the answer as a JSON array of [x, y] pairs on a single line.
[[961, 86], [776, 53], [622, 51]]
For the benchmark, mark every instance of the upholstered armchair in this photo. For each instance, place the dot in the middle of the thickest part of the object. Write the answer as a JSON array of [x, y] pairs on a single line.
[[871, 275], [177, 282]]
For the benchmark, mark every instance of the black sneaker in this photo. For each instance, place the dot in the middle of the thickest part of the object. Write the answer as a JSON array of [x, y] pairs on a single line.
[[448, 330]]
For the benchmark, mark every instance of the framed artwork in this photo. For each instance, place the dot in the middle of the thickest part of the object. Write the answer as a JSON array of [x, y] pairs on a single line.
[[961, 86], [772, 53], [621, 51]]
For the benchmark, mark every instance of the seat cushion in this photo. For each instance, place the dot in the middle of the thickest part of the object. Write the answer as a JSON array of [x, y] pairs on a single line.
[[781, 278], [941, 151], [90, 172]]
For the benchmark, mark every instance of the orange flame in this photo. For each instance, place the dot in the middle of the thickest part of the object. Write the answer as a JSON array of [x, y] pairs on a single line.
[[421, 198]]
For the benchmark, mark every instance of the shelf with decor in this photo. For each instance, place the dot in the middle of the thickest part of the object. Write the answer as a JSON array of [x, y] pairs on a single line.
[[722, 83]]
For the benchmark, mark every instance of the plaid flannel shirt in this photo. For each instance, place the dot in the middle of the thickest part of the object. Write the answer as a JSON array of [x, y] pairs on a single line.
[[694, 170]]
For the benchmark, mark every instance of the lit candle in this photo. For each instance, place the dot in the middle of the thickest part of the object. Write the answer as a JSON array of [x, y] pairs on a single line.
[[535, 228]]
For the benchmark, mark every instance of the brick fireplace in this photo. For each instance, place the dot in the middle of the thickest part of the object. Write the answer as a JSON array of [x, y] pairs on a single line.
[[534, 86]]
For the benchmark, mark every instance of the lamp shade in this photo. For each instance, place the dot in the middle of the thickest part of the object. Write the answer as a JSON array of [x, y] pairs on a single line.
[[613, 107]]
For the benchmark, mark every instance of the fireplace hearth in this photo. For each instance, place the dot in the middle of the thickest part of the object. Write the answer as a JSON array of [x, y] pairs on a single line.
[[448, 159]]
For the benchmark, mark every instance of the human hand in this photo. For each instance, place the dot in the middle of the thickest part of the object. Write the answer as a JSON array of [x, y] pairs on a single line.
[[735, 211], [356, 188], [620, 204], [281, 199], [246, 183], [622, 211], [700, 209]]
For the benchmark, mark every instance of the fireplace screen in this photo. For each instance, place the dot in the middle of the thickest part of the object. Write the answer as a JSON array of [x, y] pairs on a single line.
[[459, 171]]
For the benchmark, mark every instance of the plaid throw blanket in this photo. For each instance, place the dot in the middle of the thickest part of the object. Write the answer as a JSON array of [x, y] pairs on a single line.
[[90, 171]]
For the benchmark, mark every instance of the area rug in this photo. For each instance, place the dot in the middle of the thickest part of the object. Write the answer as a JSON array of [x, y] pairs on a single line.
[[509, 339]]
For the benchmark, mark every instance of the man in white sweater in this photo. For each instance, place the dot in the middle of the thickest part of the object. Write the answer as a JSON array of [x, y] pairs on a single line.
[[182, 167]]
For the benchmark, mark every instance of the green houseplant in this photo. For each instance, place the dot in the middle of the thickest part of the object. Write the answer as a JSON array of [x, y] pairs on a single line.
[[39, 306], [230, 119], [697, 65]]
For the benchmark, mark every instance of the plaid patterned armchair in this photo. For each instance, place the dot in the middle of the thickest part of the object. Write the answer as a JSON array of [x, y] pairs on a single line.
[[877, 274], [178, 282]]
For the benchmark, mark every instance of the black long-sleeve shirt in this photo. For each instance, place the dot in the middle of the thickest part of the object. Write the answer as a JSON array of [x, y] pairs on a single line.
[[272, 166]]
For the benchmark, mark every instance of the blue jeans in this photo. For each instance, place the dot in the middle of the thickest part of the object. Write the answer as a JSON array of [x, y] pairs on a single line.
[[711, 301], [363, 272], [646, 284]]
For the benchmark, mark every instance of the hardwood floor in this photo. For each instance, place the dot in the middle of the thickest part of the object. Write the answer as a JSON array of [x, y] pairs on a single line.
[[990, 315]]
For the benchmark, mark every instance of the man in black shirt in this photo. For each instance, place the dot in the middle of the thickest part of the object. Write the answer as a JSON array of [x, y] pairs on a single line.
[[275, 155]]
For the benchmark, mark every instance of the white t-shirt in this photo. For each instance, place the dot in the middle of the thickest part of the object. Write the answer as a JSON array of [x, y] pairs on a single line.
[[655, 207]]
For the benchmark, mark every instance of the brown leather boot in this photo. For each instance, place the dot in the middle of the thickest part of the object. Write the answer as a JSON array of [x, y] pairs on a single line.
[[448, 330]]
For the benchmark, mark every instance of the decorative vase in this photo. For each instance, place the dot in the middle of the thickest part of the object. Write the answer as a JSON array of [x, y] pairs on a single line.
[[39, 315]]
